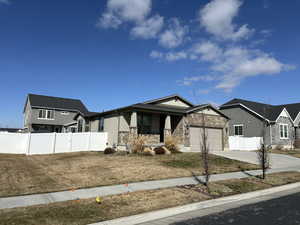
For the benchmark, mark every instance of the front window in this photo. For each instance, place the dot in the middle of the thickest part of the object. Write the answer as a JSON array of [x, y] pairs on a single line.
[[87, 126], [80, 125], [283, 129], [101, 124], [144, 123], [238, 130], [46, 114]]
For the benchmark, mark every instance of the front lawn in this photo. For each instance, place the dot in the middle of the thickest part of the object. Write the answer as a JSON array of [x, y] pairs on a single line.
[[88, 211], [21, 174]]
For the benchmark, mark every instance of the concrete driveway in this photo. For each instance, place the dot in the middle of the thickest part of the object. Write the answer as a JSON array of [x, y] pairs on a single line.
[[277, 160]]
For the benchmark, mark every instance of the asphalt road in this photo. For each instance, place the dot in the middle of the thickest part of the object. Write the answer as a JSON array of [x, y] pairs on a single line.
[[279, 211]]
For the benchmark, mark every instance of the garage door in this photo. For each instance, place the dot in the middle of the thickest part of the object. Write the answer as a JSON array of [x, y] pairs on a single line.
[[214, 139]]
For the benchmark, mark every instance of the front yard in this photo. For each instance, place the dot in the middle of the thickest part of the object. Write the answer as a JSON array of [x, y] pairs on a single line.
[[21, 174], [88, 211]]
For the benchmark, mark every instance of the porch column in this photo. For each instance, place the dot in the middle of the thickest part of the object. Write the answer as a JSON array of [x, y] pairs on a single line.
[[133, 123], [167, 130]]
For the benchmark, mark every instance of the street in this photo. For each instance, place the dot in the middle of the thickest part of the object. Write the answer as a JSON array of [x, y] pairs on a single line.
[[278, 209]]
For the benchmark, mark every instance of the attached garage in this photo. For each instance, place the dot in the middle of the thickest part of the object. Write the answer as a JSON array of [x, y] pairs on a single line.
[[214, 138]]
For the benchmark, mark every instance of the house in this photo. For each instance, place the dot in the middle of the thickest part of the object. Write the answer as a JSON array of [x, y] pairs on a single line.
[[11, 130], [52, 114], [171, 115], [278, 124]]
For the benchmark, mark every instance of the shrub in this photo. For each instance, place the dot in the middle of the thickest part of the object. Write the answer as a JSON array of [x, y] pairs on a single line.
[[172, 144], [138, 143], [162, 150], [109, 151], [148, 152]]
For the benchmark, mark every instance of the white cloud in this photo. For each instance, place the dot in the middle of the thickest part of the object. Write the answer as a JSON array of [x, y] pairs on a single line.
[[231, 65], [120, 11], [174, 56], [6, 2], [149, 28], [156, 55], [208, 50], [188, 81], [169, 56], [217, 19], [174, 35]]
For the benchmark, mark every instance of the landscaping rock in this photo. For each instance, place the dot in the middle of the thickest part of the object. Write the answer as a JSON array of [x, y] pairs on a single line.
[[162, 150], [108, 151], [148, 152]]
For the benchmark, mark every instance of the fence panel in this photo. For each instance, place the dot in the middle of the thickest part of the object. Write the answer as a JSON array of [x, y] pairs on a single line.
[[80, 142], [42, 144], [63, 143], [244, 143], [49, 143], [13, 143], [98, 141]]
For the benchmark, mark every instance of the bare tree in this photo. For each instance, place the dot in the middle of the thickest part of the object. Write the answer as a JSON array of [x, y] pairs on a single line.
[[263, 153], [205, 153]]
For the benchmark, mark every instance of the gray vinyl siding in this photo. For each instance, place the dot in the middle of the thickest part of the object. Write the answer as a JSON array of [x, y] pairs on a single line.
[[253, 127], [59, 119], [94, 125], [276, 140]]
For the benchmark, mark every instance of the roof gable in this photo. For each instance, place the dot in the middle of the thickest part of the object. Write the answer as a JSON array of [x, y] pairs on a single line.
[[266, 111], [172, 100]]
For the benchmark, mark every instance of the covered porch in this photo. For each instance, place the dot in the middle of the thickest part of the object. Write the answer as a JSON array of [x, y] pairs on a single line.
[[155, 125]]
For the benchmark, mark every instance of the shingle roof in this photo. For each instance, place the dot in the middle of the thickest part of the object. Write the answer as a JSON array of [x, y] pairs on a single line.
[[270, 112], [57, 103]]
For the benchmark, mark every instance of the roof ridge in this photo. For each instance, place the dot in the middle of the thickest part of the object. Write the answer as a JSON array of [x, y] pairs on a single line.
[[48, 96]]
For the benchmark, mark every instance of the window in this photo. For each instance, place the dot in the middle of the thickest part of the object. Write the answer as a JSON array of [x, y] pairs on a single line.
[[101, 125], [80, 125], [283, 129], [87, 126], [65, 113], [46, 114], [144, 123], [238, 130]]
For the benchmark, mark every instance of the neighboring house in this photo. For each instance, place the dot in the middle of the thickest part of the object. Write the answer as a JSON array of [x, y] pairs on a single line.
[[11, 130], [279, 124], [52, 114], [172, 115]]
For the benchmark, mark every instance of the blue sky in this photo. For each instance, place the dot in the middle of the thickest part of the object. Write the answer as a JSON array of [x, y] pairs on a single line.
[[118, 52]]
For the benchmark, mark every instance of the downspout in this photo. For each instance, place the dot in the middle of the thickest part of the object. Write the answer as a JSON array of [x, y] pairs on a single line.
[[118, 128], [270, 134]]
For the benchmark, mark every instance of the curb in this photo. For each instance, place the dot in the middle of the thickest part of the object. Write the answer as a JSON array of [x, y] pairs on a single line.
[[150, 216]]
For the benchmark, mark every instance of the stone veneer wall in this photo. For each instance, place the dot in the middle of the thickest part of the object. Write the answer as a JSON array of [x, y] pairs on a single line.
[[152, 138]]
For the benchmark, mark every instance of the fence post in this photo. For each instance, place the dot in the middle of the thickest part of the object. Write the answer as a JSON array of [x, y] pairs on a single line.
[[28, 144], [89, 143], [54, 142], [71, 141]]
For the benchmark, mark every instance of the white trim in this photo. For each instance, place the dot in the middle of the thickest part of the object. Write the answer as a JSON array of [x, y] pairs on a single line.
[[284, 109], [298, 115], [287, 131], [238, 125], [46, 110]]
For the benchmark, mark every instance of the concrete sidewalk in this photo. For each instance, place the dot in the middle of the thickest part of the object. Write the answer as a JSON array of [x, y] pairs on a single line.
[[37, 199]]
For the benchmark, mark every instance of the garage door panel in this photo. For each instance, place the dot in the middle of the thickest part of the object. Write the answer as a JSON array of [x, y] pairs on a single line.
[[214, 138]]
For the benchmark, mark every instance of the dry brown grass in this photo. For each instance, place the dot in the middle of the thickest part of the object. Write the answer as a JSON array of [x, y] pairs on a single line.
[[87, 211], [21, 174]]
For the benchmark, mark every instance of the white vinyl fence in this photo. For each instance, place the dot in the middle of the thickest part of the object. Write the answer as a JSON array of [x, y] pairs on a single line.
[[49, 143], [244, 143]]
